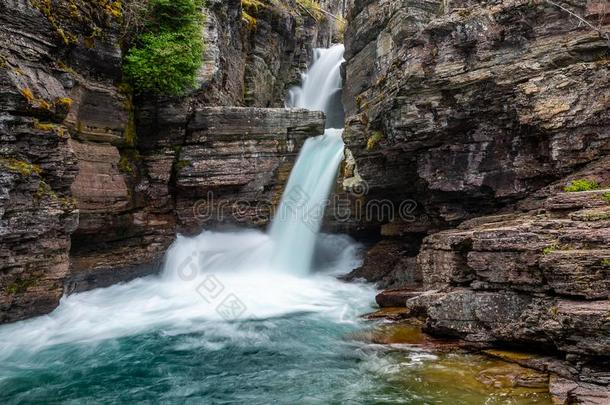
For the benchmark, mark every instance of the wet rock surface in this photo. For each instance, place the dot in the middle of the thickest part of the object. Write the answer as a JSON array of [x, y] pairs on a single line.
[[389, 264]]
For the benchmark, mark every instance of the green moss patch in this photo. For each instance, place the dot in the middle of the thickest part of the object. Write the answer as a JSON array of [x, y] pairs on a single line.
[[552, 248], [20, 286], [181, 164], [70, 18], [19, 166], [374, 140]]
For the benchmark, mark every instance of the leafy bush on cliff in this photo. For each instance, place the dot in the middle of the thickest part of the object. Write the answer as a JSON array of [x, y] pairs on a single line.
[[167, 56], [581, 185]]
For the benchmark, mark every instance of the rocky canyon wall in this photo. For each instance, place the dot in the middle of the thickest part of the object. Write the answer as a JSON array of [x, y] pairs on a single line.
[[473, 105], [95, 181], [482, 113]]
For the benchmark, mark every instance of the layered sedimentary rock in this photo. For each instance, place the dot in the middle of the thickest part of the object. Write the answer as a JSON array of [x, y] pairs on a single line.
[[481, 113], [38, 165], [466, 107], [255, 53], [537, 280], [235, 162], [558, 253]]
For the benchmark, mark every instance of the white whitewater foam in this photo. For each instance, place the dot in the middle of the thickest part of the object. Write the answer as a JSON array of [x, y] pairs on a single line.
[[321, 81], [299, 216], [181, 302]]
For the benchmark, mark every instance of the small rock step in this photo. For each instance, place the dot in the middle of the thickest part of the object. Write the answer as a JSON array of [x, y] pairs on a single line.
[[577, 200], [395, 298]]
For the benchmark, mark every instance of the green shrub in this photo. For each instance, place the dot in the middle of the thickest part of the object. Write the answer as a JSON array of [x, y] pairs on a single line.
[[550, 249], [374, 140], [581, 185], [606, 197], [167, 56], [175, 15]]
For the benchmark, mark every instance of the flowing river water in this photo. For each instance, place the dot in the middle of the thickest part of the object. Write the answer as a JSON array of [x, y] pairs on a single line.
[[245, 317]]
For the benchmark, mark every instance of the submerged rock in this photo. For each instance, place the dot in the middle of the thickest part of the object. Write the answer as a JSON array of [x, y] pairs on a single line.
[[395, 298]]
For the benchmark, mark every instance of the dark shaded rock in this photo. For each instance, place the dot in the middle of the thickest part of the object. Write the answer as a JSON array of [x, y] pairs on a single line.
[[101, 269], [389, 264], [394, 298]]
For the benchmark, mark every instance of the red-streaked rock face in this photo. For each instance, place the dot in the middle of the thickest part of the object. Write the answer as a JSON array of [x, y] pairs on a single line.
[[99, 186]]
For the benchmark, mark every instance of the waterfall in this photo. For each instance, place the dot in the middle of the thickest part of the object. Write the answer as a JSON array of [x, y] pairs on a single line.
[[298, 219], [321, 88], [218, 277]]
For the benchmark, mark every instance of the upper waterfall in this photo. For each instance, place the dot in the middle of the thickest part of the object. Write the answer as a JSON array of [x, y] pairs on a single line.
[[321, 86]]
